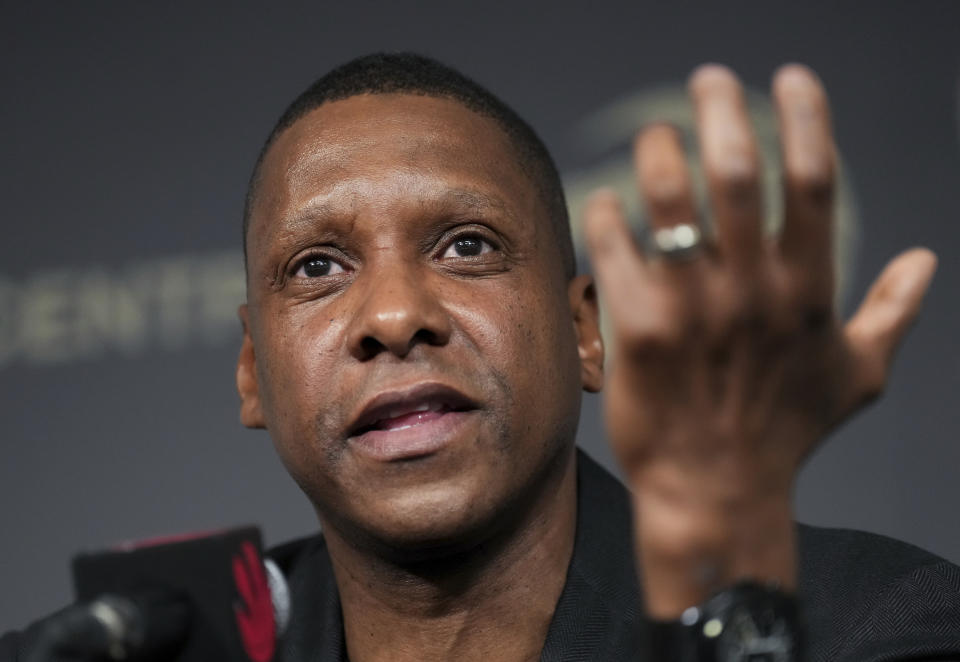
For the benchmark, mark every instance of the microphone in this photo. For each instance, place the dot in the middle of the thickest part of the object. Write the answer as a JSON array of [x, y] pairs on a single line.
[[192, 598]]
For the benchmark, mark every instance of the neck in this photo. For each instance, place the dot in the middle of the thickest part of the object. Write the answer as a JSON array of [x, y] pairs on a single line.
[[494, 601]]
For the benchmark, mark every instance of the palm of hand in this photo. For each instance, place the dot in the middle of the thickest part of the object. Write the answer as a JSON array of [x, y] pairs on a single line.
[[732, 364]]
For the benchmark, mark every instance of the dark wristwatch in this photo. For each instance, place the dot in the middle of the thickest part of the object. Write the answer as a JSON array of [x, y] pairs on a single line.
[[749, 622]]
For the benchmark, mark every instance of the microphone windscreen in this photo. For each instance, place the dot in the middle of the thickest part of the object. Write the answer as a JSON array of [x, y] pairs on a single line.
[[221, 575]]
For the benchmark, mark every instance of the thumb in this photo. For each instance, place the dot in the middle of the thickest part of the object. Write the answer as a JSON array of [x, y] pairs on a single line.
[[887, 312]]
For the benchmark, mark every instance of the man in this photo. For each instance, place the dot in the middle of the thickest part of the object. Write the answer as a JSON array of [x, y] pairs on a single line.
[[416, 339]]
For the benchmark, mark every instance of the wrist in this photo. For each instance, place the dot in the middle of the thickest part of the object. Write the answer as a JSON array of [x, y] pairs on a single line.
[[688, 548], [748, 621]]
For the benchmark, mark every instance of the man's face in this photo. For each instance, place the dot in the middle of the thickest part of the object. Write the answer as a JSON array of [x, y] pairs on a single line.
[[411, 345]]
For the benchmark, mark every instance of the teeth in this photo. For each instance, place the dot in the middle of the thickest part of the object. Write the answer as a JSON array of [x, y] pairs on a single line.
[[395, 413]]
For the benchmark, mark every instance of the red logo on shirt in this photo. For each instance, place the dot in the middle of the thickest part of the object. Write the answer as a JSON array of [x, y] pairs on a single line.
[[255, 611]]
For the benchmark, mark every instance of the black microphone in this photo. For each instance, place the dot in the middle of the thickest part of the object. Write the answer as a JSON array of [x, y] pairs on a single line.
[[196, 598]]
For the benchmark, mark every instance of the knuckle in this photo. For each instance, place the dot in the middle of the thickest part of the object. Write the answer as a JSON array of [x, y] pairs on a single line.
[[803, 316], [668, 196], [812, 179], [645, 347], [651, 344], [664, 181], [602, 224], [816, 319], [602, 239], [601, 245], [808, 291], [741, 315], [736, 175], [765, 323], [656, 336], [602, 202]]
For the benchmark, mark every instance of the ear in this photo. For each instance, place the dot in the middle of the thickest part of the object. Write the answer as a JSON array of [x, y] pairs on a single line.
[[251, 414], [586, 324]]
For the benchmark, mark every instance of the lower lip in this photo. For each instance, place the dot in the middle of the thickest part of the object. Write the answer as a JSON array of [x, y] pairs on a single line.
[[425, 437]]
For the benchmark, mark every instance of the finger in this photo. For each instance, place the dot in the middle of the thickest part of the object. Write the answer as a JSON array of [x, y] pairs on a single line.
[[809, 169], [663, 176], [620, 269], [663, 179], [731, 164], [887, 312]]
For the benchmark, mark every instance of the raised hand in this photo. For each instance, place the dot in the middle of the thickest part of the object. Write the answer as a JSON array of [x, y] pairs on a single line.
[[731, 363]]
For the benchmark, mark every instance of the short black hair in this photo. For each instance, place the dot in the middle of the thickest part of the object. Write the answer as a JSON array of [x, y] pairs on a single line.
[[410, 73]]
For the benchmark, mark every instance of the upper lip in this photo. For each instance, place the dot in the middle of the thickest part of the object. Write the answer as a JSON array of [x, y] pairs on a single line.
[[397, 402]]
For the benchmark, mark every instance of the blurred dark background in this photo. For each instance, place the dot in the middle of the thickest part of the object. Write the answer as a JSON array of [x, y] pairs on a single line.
[[128, 132]]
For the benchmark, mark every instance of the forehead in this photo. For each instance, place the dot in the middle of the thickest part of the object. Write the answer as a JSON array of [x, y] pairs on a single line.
[[366, 147]]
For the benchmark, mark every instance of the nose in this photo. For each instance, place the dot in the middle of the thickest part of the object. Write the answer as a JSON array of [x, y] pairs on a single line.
[[398, 309]]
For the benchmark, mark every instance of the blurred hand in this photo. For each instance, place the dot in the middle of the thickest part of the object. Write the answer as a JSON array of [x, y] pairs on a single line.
[[731, 364]]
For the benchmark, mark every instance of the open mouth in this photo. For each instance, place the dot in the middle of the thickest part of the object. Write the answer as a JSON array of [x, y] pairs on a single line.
[[410, 422], [403, 418]]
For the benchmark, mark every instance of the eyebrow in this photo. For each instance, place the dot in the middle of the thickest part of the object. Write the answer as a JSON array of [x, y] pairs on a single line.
[[313, 211], [473, 199], [456, 199], [462, 202]]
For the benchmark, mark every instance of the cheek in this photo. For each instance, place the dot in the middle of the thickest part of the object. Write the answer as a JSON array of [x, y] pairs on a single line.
[[527, 334], [303, 388], [298, 374], [552, 360]]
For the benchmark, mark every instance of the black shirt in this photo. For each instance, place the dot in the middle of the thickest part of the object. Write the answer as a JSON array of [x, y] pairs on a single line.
[[865, 598]]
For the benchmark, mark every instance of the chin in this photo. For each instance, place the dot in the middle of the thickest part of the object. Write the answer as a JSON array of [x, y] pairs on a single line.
[[441, 506], [436, 520], [428, 523]]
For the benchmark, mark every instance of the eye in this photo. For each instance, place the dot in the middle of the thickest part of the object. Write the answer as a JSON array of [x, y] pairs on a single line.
[[317, 266], [467, 246]]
